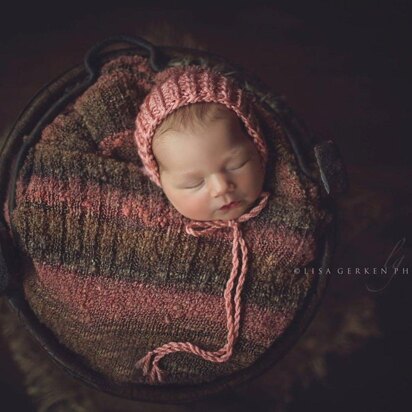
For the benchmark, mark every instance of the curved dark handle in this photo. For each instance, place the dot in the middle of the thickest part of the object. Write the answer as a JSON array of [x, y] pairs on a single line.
[[156, 59]]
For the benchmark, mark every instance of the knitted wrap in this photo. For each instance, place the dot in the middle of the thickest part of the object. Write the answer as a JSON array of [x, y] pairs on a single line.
[[114, 272]]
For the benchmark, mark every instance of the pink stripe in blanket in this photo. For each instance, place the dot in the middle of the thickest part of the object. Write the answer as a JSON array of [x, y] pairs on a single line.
[[107, 299], [109, 203]]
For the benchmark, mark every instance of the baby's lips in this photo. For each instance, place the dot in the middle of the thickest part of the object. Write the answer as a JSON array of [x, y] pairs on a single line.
[[235, 203]]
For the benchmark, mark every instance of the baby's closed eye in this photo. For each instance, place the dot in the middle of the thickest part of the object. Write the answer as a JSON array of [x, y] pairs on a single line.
[[194, 185], [199, 183], [238, 165]]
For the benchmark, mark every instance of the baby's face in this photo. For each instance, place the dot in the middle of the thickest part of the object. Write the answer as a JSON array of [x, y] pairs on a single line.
[[205, 169]]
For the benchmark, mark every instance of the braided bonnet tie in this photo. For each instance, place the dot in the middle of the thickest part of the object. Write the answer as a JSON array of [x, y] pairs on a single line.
[[150, 362]]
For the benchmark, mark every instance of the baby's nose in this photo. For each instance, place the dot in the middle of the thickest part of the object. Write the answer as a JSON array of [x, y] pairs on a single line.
[[220, 184]]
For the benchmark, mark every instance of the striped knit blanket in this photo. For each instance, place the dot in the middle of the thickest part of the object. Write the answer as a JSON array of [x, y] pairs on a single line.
[[114, 272]]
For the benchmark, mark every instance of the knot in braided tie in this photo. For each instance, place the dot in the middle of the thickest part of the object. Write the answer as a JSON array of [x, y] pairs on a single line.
[[150, 362]]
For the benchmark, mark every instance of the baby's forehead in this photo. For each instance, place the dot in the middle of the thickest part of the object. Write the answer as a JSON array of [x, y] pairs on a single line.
[[226, 132], [177, 149]]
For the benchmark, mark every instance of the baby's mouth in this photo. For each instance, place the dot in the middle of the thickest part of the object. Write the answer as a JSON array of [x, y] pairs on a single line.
[[230, 206]]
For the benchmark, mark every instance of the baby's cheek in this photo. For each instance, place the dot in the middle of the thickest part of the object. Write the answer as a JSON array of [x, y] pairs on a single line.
[[252, 182], [195, 204], [188, 204]]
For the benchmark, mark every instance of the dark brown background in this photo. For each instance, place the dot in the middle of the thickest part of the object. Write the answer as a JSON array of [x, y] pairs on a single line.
[[344, 68]]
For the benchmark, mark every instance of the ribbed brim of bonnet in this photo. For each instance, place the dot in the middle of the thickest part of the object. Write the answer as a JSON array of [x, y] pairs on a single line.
[[179, 86]]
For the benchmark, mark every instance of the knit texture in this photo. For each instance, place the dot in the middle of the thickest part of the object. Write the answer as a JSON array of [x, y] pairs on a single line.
[[179, 86], [114, 272]]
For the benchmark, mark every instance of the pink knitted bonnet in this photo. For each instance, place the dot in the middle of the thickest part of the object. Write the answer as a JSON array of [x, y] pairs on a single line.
[[179, 86], [174, 88]]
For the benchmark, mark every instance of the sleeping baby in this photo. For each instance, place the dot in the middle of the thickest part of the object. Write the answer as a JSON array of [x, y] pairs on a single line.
[[198, 138], [209, 168]]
